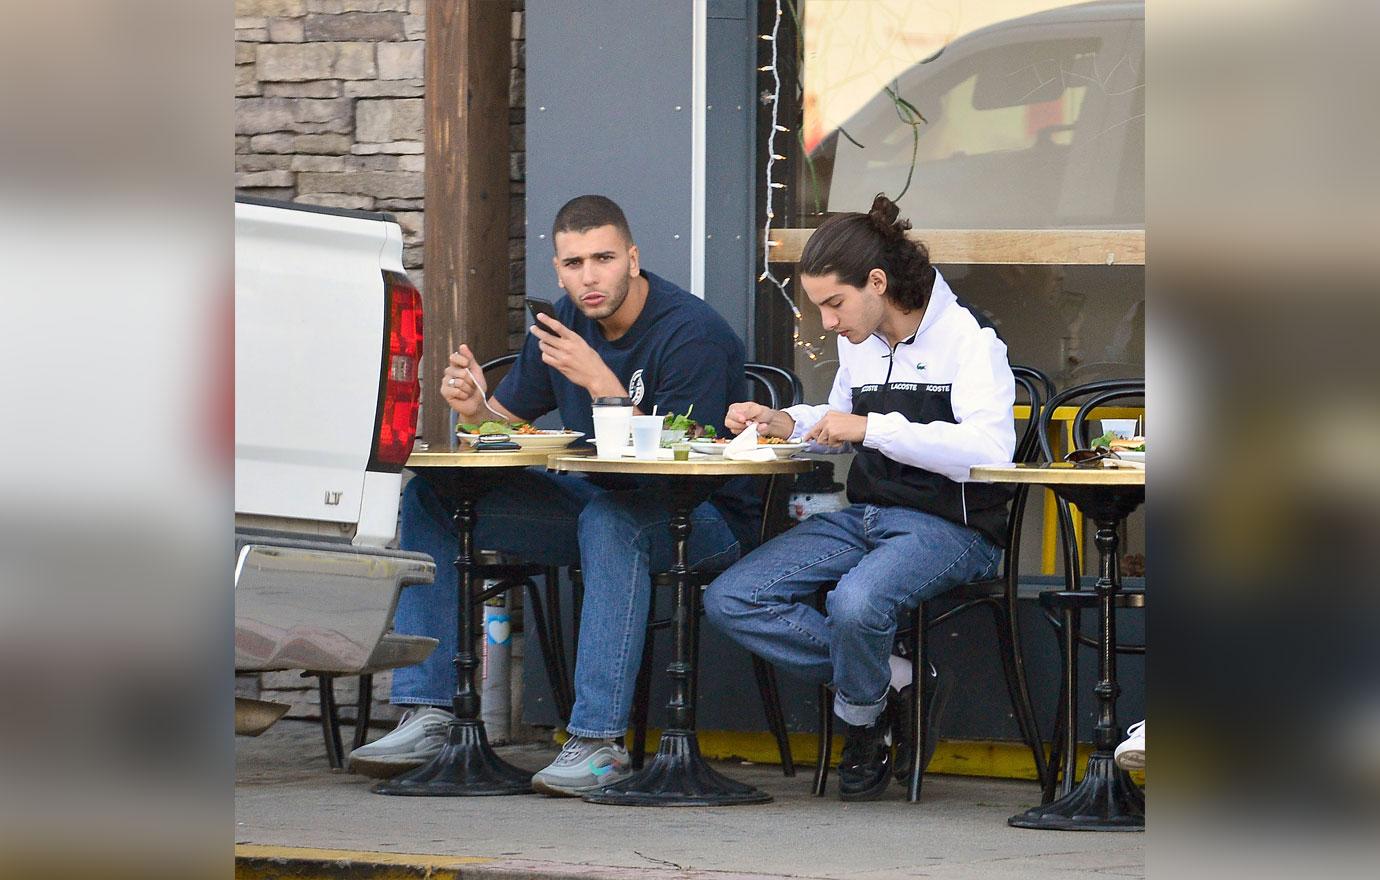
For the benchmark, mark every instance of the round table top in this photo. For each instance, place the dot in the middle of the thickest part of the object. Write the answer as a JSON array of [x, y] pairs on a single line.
[[1060, 473], [468, 458], [702, 466]]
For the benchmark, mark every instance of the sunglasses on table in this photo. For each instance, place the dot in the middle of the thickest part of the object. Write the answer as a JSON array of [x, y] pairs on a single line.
[[1089, 457]]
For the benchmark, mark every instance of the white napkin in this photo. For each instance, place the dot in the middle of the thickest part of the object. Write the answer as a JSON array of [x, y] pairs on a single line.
[[744, 447]]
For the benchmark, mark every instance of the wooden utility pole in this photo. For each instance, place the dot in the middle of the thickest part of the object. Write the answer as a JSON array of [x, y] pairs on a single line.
[[465, 296]]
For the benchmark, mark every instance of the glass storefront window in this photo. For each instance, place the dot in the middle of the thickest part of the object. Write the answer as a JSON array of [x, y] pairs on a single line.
[[1034, 120], [1006, 115]]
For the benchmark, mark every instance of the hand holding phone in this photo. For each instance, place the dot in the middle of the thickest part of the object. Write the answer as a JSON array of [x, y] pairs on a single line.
[[540, 307]]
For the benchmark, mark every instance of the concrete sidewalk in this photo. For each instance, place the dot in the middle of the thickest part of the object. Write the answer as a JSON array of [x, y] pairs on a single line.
[[286, 796]]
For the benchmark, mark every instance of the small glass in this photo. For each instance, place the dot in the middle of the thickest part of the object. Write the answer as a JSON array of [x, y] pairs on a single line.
[[680, 452]]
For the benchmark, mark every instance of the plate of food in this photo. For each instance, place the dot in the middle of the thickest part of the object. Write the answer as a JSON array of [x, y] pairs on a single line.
[[782, 448], [521, 433], [1126, 448]]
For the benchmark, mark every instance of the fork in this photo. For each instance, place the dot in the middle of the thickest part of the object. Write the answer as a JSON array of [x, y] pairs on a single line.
[[480, 388]]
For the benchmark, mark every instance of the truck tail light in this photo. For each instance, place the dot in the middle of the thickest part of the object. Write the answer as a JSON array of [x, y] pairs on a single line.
[[399, 386]]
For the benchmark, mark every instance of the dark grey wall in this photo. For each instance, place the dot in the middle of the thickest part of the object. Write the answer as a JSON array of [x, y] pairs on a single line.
[[729, 185], [608, 111]]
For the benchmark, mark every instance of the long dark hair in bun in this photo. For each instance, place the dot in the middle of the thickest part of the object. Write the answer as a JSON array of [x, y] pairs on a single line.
[[853, 244]]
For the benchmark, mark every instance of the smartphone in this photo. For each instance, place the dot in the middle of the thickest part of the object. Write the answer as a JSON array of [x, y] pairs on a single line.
[[494, 443], [540, 307]]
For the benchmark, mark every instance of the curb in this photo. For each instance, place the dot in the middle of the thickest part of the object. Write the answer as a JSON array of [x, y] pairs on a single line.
[[254, 862]]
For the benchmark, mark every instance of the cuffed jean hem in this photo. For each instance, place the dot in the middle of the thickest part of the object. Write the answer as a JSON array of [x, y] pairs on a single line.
[[589, 733], [856, 715], [421, 701]]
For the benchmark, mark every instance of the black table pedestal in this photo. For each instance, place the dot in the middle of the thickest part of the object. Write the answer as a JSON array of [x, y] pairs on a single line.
[[1106, 799], [467, 766], [678, 776]]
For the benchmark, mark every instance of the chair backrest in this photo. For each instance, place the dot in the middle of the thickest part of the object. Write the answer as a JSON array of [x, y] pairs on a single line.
[[1126, 389], [1037, 388], [1092, 395], [503, 360], [762, 389], [788, 390]]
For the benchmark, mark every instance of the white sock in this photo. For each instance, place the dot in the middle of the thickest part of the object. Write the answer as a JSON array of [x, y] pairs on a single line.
[[900, 672]]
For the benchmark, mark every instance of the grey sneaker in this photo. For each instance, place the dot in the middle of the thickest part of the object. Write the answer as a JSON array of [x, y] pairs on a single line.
[[419, 737], [584, 765]]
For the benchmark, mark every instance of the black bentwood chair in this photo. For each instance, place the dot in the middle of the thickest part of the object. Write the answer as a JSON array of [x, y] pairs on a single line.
[[998, 594], [505, 573], [776, 387], [1063, 608]]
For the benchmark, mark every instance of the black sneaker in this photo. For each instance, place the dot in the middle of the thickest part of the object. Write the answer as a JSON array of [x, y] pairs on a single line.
[[936, 694], [865, 767]]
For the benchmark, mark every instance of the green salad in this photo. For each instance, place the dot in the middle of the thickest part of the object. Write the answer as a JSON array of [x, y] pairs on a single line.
[[491, 427], [1105, 442], [684, 423]]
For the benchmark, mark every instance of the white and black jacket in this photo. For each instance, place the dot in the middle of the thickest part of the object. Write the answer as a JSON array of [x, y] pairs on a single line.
[[936, 405]]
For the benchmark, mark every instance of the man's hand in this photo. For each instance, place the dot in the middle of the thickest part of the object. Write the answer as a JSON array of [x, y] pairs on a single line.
[[463, 386], [770, 422], [838, 428], [565, 350]]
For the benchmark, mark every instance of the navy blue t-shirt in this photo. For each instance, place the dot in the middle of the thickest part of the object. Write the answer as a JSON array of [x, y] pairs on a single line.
[[679, 352]]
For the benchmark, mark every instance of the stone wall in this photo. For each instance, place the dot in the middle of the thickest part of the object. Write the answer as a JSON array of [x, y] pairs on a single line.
[[328, 111]]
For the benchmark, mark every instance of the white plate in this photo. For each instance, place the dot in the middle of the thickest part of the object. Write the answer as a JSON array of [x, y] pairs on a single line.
[[709, 447], [1126, 455], [544, 440]]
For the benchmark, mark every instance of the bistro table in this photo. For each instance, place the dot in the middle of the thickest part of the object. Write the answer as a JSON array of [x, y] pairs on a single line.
[[679, 775], [1106, 799], [467, 764]]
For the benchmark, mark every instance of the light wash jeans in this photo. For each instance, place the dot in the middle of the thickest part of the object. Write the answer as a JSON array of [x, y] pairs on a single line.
[[885, 559], [617, 537]]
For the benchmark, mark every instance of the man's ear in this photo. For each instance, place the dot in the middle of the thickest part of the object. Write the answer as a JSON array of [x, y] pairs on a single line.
[[634, 264], [556, 264], [876, 281]]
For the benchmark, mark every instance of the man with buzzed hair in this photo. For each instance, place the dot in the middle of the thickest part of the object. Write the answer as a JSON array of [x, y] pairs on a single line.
[[620, 331]]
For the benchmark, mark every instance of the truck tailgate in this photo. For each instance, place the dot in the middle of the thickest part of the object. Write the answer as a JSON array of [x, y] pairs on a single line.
[[309, 298]]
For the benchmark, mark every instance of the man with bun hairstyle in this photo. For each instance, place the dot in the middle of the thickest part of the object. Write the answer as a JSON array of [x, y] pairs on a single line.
[[923, 392]]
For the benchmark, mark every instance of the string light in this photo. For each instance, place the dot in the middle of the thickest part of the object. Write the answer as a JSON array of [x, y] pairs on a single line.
[[812, 350]]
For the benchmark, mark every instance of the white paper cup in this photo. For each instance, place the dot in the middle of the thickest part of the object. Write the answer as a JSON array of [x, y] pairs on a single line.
[[1122, 428], [611, 427], [646, 435]]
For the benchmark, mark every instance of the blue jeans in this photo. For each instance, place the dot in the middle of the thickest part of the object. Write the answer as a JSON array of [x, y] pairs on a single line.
[[617, 537], [885, 559]]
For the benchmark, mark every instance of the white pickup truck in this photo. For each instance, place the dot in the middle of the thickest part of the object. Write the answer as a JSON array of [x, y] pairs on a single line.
[[328, 339]]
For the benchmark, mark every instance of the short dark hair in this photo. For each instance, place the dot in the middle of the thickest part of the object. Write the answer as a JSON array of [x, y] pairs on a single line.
[[584, 213], [853, 244]]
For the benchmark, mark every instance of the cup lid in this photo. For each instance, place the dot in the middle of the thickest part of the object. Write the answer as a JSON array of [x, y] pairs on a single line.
[[613, 401]]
